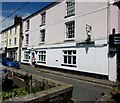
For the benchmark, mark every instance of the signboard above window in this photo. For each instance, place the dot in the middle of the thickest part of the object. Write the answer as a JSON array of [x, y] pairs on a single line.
[[114, 40]]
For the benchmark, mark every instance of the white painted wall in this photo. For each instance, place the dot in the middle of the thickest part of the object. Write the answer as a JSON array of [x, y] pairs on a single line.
[[95, 60], [112, 68], [94, 14]]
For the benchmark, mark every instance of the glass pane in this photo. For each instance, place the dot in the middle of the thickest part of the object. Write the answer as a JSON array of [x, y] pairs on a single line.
[[39, 58], [74, 52], [69, 59], [69, 52], [65, 52], [44, 58], [74, 59], [65, 59]]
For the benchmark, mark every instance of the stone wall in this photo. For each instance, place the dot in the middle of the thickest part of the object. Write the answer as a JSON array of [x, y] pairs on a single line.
[[62, 93]]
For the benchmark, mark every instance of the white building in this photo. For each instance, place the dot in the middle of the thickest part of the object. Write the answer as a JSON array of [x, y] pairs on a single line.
[[69, 35]]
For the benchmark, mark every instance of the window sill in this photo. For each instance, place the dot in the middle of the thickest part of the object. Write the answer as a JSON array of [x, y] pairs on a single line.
[[26, 30], [69, 16], [69, 65], [41, 43], [26, 60], [26, 45], [41, 62], [69, 39], [42, 25]]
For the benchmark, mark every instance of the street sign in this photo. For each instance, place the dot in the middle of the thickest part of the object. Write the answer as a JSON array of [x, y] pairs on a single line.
[[114, 40]]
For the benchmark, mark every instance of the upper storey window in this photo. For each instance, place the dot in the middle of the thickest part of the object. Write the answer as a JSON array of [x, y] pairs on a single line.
[[70, 29], [70, 8], [43, 18], [27, 25]]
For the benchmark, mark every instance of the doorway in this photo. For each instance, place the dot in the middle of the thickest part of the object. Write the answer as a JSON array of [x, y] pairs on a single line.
[[33, 58]]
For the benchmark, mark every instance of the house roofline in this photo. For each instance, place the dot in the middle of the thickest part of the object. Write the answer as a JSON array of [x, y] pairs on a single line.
[[41, 10], [10, 27]]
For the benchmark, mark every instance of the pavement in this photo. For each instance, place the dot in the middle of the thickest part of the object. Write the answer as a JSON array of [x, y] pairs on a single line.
[[74, 76]]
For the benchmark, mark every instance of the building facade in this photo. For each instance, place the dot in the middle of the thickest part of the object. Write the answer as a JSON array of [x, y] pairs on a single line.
[[4, 41], [69, 35], [11, 40], [114, 28]]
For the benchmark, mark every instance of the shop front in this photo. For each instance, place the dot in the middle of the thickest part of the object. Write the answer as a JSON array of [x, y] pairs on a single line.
[[12, 53]]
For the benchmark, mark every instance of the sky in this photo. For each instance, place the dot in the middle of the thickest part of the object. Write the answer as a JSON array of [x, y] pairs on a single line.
[[7, 8], [10, 7]]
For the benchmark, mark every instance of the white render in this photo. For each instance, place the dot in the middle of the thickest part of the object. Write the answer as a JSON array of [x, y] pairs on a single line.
[[90, 59]]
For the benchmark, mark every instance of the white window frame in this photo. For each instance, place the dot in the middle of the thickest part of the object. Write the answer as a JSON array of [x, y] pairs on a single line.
[[70, 30], [10, 41], [70, 7], [70, 56], [43, 18], [27, 39], [15, 41], [42, 36], [15, 29], [26, 55], [42, 57], [27, 25], [10, 31]]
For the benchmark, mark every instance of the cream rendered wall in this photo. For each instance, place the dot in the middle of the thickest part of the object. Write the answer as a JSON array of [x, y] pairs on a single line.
[[4, 39], [55, 34], [23, 41], [114, 18], [34, 32], [119, 21], [91, 13], [12, 36], [55, 24], [114, 23]]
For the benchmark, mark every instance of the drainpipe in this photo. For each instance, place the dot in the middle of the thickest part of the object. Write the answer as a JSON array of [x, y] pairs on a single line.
[[108, 32]]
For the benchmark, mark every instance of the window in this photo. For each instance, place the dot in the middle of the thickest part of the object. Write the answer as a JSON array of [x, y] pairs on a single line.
[[42, 56], [9, 41], [10, 31], [27, 25], [70, 29], [42, 35], [69, 57], [26, 55], [15, 41], [27, 39], [70, 7], [15, 30], [43, 17]]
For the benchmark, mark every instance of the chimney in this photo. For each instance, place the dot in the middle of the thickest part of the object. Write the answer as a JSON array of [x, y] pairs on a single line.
[[17, 19]]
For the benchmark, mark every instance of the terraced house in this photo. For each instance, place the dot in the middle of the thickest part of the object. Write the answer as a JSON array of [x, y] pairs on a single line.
[[11, 39], [70, 35]]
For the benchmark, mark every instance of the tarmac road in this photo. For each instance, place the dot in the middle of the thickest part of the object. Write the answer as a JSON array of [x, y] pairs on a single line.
[[83, 91]]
